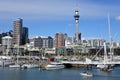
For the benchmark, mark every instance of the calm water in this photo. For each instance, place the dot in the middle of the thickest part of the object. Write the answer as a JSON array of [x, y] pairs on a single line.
[[63, 74]]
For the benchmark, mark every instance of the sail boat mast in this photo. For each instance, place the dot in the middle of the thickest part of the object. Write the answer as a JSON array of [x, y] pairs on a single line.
[[18, 48], [110, 36]]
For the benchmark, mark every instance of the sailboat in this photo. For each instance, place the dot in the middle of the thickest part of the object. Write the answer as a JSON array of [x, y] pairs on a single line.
[[105, 66], [29, 65], [16, 65]]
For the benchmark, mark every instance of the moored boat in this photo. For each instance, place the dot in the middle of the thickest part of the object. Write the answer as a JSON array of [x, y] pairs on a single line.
[[28, 66], [15, 66], [54, 65], [5, 63]]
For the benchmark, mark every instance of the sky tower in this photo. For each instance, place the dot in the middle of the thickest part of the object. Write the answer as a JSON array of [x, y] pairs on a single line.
[[76, 16]]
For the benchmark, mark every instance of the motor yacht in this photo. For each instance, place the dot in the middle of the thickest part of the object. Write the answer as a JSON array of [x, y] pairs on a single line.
[[54, 65], [86, 74], [28, 66]]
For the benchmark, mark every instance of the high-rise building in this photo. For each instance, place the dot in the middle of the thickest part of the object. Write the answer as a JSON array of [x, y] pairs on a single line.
[[17, 31], [24, 35], [59, 40]]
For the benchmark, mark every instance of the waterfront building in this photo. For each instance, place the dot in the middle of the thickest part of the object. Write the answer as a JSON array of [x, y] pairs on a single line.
[[47, 42], [42, 42], [59, 40], [7, 42], [60, 51], [69, 42], [17, 31], [3, 34], [93, 42], [117, 44], [50, 51], [36, 42]]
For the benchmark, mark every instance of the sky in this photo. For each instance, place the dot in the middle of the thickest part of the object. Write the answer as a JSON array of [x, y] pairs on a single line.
[[47, 17]]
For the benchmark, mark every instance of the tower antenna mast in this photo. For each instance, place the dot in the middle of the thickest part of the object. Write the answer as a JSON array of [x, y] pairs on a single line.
[[76, 4]]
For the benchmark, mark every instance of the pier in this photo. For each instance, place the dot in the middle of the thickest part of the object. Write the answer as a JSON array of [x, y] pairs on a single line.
[[92, 62]]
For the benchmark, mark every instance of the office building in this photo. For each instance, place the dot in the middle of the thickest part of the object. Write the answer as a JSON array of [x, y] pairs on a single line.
[[42, 42], [59, 40], [24, 35], [17, 31]]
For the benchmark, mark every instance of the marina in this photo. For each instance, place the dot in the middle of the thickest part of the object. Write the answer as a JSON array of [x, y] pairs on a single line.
[[85, 51], [62, 74]]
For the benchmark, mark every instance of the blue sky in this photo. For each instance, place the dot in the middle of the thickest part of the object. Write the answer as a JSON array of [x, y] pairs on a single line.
[[47, 17]]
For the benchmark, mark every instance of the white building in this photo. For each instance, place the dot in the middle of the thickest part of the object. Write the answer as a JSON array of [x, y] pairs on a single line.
[[49, 50], [69, 41], [7, 42], [41, 42], [93, 42]]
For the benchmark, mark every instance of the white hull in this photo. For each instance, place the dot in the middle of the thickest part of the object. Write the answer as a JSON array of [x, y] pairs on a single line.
[[49, 67], [54, 66], [27, 66], [15, 66], [86, 74], [6, 63], [102, 66]]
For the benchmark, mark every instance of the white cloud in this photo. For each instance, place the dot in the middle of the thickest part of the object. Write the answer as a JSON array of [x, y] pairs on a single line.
[[53, 8], [118, 18]]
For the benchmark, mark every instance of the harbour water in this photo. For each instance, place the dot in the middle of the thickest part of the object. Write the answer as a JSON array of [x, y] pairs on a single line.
[[63, 74]]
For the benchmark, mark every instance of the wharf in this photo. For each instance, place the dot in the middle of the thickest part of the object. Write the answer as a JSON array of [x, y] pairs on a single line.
[[90, 63]]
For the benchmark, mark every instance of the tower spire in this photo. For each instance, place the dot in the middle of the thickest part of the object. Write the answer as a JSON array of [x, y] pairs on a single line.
[[76, 4]]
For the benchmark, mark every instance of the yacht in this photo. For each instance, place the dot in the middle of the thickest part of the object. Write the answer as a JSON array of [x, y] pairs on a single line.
[[28, 66], [5, 63], [86, 74], [101, 66], [54, 65], [105, 66], [15, 66]]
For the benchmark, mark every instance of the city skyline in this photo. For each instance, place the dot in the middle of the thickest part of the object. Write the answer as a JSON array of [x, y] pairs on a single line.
[[46, 18]]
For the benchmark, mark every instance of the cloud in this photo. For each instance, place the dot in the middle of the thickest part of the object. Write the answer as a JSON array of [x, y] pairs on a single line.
[[35, 9], [53, 8], [118, 18]]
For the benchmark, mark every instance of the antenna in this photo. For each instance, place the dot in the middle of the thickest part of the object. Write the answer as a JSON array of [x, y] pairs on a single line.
[[76, 4]]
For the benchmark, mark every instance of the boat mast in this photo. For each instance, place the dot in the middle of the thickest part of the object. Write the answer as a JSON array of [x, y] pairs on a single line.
[[110, 37], [18, 47], [105, 54]]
